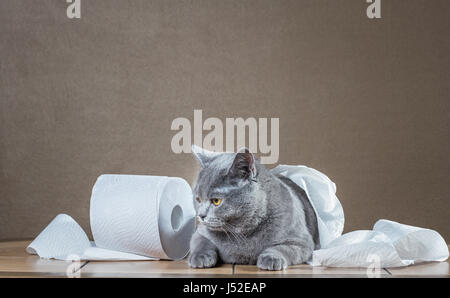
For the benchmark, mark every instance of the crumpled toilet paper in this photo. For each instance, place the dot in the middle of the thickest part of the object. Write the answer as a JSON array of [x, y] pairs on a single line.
[[132, 217], [389, 244]]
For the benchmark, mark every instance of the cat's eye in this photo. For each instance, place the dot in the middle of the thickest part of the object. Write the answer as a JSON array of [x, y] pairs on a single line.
[[198, 199], [216, 201]]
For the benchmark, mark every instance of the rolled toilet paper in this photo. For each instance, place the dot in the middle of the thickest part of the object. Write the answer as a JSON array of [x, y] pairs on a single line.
[[147, 215], [133, 217]]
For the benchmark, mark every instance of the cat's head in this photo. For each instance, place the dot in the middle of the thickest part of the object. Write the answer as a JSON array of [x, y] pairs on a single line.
[[226, 193]]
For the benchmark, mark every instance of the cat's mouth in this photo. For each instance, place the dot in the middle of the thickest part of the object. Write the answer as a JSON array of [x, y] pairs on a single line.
[[213, 224]]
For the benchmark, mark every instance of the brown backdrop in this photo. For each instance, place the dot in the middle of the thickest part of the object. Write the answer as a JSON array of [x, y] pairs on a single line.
[[365, 101]]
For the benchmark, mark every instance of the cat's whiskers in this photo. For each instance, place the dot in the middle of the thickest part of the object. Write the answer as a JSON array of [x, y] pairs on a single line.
[[236, 228], [226, 233], [239, 238]]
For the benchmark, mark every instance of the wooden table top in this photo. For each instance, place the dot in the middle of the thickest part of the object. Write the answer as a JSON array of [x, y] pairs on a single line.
[[15, 262]]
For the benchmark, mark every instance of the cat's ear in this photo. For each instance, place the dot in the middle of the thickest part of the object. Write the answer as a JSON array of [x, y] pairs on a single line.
[[203, 156], [244, 165]]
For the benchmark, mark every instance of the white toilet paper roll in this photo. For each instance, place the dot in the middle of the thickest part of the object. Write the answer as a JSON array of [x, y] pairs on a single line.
[[132, 217], [146, 215]]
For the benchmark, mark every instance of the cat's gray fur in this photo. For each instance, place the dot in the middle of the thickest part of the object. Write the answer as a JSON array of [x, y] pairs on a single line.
[[263, 219]]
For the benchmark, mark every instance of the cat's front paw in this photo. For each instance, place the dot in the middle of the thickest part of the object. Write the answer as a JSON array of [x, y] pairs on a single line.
[[205, 259], [271, 261]]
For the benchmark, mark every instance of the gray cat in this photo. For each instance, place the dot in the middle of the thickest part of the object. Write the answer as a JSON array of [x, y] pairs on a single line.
[[247, 215]]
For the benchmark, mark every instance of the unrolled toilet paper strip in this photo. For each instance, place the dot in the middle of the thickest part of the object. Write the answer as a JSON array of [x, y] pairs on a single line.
[[132, 218], [64, 239]]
